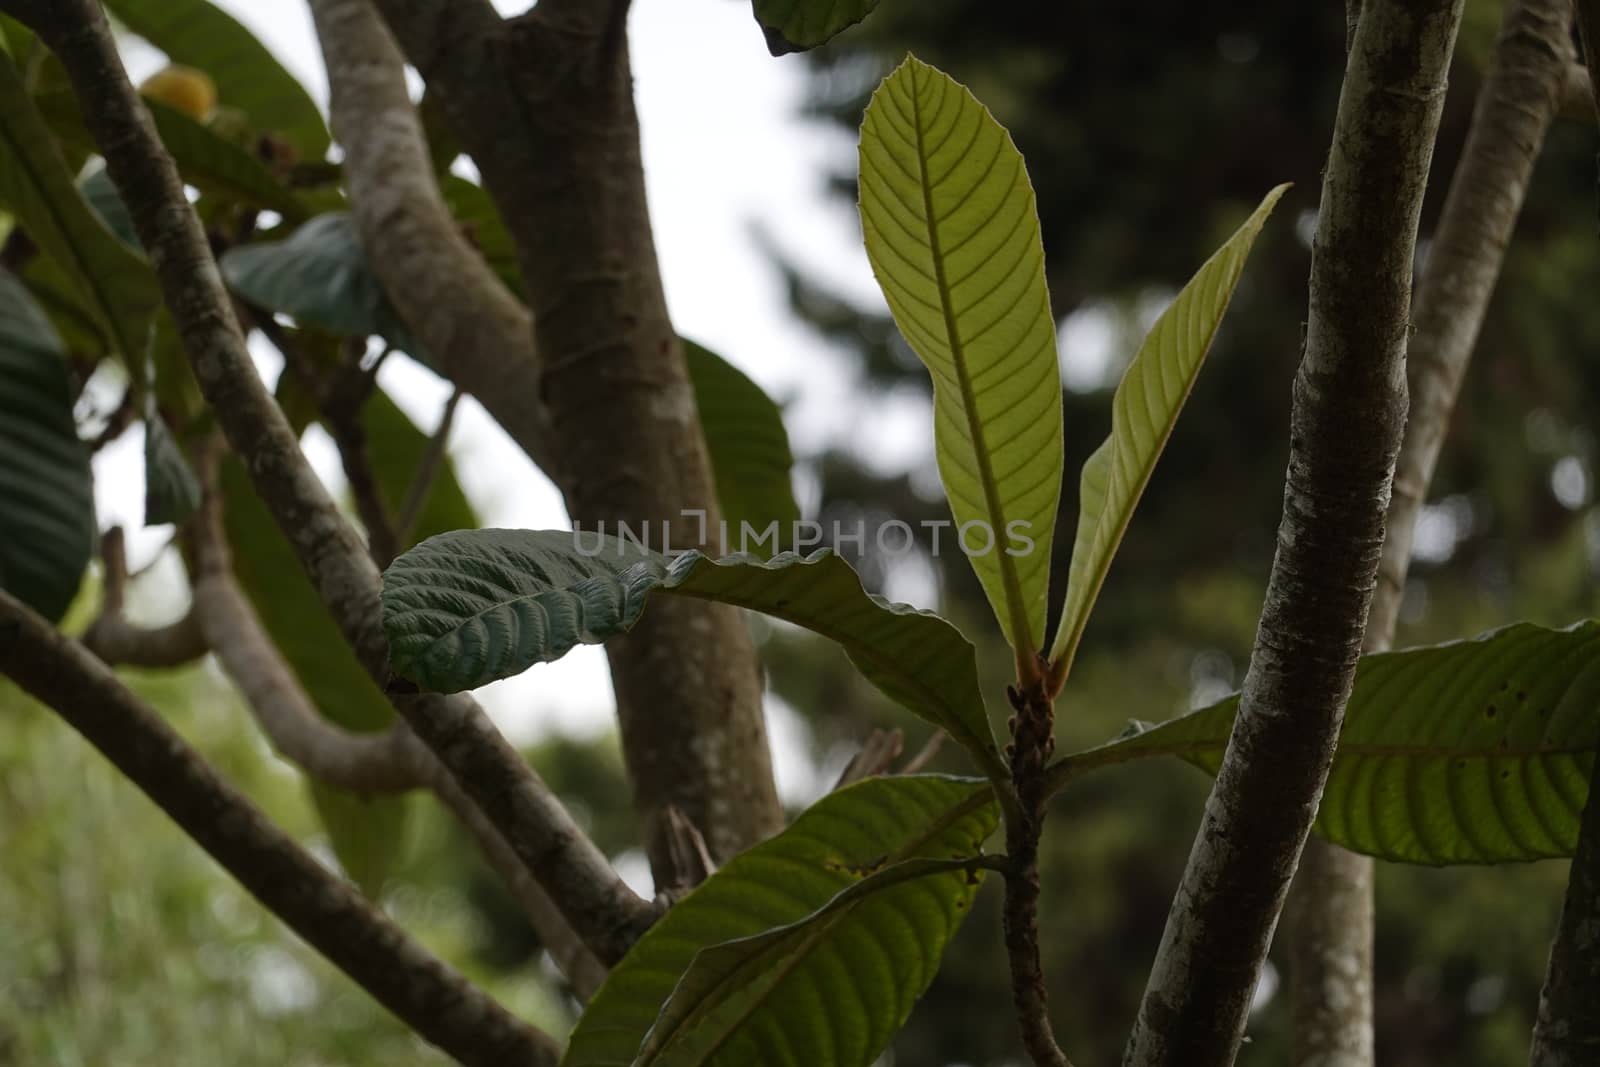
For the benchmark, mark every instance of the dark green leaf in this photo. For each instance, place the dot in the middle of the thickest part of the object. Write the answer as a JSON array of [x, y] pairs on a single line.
[[101, 193], [319, 276], [833, 961], [171, 491], [47, 523], [466, 608], [798, 25], [110, 281], [202, 35], [1471, 752], [748, 444]]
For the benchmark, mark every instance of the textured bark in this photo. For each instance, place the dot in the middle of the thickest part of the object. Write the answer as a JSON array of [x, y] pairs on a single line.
[[1329, 919], [604, 911], [1348, 414], [438, 1003], [1331, 910], [544, 104], [477, 331], [1566, 1032]]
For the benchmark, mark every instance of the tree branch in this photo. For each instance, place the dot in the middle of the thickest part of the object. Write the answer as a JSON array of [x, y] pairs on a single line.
[[543, 102], [369, 763], [604, 911], [427, 472], [1348, 415], [429, 996], [1330, 908], [119, 642], [1566, 1032], [480, 334]]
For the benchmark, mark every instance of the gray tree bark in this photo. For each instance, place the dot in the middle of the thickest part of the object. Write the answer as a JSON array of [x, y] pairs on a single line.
[[1348, 415], [544, 105], [1330, 909]]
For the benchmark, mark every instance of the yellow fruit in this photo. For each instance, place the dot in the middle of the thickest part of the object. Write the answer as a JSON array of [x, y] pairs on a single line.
[[184, 89]]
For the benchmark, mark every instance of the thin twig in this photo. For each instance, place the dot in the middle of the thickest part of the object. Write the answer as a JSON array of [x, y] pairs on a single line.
[[118, 419], [119, 642], [427, 472]]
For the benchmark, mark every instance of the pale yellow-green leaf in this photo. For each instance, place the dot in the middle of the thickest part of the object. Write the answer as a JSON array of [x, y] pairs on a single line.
[[1143, 413], [953, 236]]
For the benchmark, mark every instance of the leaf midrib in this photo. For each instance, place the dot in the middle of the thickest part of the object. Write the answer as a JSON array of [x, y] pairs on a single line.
[[945, 821], [1021, 625]]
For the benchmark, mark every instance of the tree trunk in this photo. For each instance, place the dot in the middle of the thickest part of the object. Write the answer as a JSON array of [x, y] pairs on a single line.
[[1331, 907], [1348, 415], [544, 104]]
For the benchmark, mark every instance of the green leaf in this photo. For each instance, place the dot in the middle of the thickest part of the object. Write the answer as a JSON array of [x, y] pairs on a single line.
[[466, 608], [319, 276], [480, 220], [1143, 413], [798, 25], [101, 193], [1474, 751], [838, 957], [210, 163], [113, 283], [47, 522], [171, 491], [200, 34], [953, 236], [748, 444]]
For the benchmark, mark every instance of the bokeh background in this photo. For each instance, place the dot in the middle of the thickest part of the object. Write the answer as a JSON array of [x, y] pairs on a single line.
[[1149, 130]]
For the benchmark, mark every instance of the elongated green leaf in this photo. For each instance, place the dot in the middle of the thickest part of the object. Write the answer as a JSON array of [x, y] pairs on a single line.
[[1471, 752], [207, 161], [47, 524], [1143, 413], [466, 608], [113, 283], [953, 237], [798, 25], [200, 34], [171, 491], [319, 275], [849, 956], [749, 447], [728, 1003]]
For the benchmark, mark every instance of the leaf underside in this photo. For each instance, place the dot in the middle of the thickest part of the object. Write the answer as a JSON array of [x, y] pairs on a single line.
[[47, 522], [814, 985], [1143, 413], [799, 25], [952, 233], [1475, 751]]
